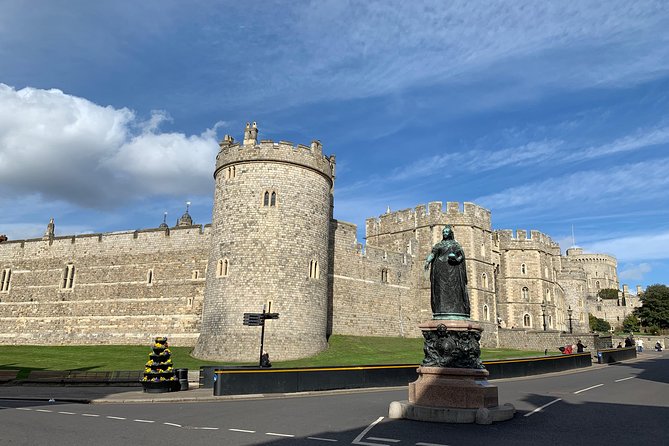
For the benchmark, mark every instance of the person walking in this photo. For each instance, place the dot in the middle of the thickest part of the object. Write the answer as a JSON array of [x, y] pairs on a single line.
[[580, 347], [639, 345]]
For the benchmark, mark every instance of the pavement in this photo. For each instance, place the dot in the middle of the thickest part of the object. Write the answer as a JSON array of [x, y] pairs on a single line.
[[98, 394]]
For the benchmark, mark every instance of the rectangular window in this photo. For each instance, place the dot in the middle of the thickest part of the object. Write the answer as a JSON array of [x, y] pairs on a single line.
[[4, 280], [68, 277]]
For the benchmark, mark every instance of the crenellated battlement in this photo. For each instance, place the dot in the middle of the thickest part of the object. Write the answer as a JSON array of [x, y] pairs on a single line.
[[431, 214], [140, 237], [524, 239], [250, 150]]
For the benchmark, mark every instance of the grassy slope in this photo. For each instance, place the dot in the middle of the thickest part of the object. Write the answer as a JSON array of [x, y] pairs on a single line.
[[343, 350]]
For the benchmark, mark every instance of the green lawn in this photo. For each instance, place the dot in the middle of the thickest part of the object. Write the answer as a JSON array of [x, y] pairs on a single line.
[[343, 350]]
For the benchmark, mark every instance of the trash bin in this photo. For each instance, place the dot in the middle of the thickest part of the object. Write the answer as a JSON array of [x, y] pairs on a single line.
[[182, 376]]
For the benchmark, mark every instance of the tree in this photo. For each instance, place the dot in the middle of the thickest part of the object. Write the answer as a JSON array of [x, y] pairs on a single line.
[[608, 293], [597, 324], [631, 323], [654, 310]]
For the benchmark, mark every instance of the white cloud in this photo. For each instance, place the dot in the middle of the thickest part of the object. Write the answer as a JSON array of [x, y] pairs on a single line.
[[67, 148], [635, 248], [587, 187], [634, 272]]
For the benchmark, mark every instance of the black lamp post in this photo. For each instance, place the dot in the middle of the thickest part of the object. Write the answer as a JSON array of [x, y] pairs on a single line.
[[570, 312], [543, 313]]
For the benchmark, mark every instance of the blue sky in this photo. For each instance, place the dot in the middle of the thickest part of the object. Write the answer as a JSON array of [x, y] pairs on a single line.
[[550, 114]]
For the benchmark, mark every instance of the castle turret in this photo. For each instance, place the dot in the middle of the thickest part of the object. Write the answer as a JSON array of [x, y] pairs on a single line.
[[50, 230], [270, 235]]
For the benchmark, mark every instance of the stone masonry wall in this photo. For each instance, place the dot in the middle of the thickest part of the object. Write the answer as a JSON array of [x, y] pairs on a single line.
[[111, 299]]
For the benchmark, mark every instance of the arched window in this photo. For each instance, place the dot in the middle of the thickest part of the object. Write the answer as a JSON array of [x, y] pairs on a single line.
[[314, 270], [4, 280], [486, 313], [384, 275], [525, 293], [265, 201], [273, 199], [527, 320], [484, 281], [523, 269], [149, 277], [483, 250]]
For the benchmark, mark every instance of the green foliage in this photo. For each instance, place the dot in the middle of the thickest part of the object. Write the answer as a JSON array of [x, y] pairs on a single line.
[[597, 324], [654, 311], [631, 323], [608, 293]]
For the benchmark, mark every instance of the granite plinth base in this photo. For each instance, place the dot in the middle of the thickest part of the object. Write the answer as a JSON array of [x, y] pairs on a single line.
[[482, 415], [452, 387]]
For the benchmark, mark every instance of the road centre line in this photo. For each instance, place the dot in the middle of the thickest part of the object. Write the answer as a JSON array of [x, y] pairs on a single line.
[[206, 428], [278, 435], [539, 409], [43, 410], [89, 415], [588, 388], [67, 413], [144, 421], [242, 430], [22, 408], [172, 424], [358, 439], [322, 439], [115, 418], [625, 379], [390, 440], [430, 444]]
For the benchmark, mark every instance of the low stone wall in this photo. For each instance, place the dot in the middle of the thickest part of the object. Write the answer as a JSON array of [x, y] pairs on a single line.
[[548, 340]]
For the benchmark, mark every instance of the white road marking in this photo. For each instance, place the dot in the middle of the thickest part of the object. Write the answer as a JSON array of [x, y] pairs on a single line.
[[430, 444], [321, 439], [278, 435], [539, 409], [206, 428], [67, 413], [242, 430], [144, 421], [588, 388], [363, 433], [625, 379], [115, 418], [391, 440], [172, 424], [43, 410], [22, 408], [89, 415]]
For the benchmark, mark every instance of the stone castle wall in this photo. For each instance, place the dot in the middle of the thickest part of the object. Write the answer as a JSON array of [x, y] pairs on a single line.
[[528, 278], [111, 299], [372, 289]]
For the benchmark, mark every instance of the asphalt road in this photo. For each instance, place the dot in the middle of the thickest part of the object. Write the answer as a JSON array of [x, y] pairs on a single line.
[[618, 404]]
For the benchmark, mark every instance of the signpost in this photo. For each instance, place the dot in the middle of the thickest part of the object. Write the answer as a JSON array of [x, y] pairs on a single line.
[[258, 319]]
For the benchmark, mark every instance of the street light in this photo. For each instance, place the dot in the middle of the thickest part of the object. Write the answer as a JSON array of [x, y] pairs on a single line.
[[543, 313], [570, 312]]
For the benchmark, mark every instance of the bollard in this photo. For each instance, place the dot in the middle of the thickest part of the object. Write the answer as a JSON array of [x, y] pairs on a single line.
[[182, 376]]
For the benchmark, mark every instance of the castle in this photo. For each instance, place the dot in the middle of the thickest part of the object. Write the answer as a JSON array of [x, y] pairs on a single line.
[[273, 238]]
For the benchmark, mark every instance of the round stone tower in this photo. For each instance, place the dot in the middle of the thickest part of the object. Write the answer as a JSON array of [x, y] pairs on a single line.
[[269, 242]]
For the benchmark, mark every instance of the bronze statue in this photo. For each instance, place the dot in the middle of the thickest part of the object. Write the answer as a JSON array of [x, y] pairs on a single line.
[[448, 278]]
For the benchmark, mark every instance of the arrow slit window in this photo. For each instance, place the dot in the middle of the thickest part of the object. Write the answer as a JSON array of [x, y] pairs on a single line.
[[4, 280]]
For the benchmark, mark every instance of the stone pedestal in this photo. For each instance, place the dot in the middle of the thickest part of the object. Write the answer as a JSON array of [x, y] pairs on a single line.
[[452, 385]]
